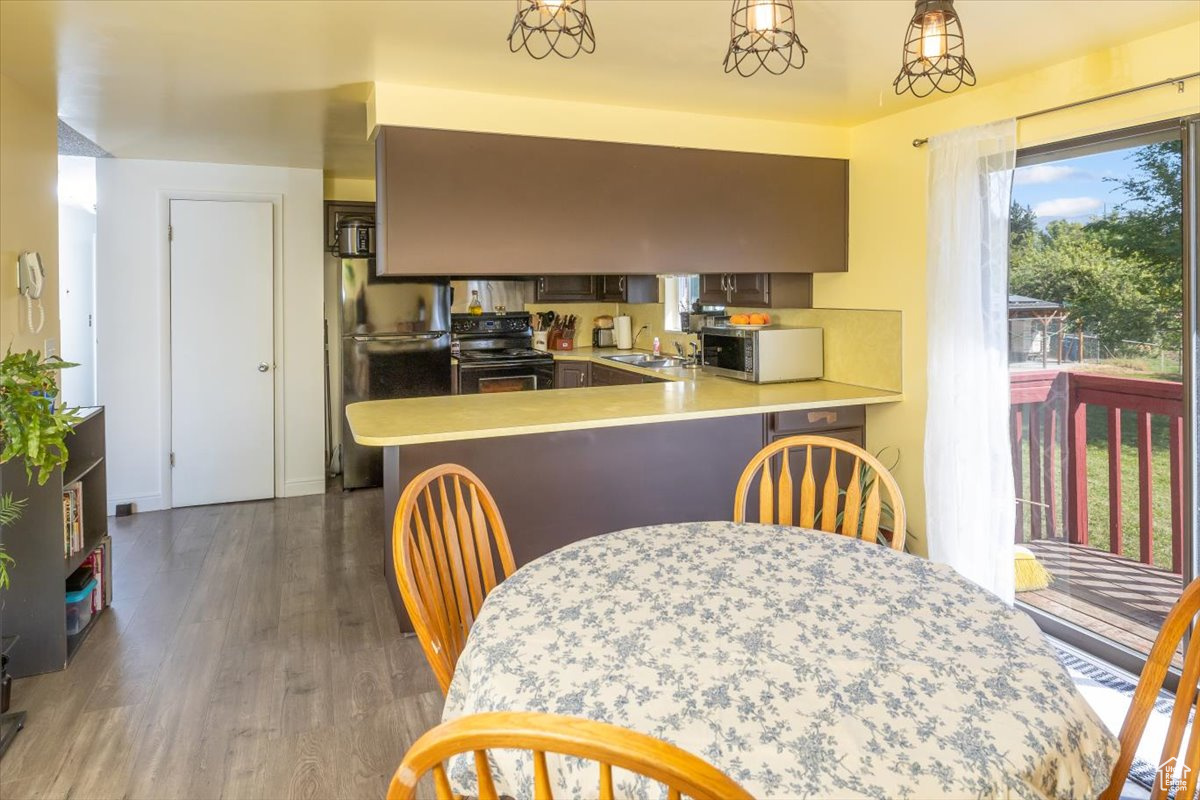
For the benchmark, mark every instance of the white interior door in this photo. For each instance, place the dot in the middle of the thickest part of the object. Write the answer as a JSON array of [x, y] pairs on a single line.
[[222, 346], [77, 303]]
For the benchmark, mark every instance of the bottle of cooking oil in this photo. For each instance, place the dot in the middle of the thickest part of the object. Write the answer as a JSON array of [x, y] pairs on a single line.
[[475, 307]]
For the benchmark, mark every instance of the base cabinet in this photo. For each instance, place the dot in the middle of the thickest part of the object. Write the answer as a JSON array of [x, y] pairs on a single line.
[[611, 376], [572, 374]]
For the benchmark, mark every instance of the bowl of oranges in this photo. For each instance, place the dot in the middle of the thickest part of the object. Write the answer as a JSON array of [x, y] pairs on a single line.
[[749, 320]]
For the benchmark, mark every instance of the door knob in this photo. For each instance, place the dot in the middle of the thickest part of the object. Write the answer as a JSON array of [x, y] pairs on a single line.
[[263, 366]]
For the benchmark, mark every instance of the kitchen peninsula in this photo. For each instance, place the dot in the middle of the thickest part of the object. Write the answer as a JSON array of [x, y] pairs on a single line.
[[566, 464]]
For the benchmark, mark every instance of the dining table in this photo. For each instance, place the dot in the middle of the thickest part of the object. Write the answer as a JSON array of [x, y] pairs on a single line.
[[802, 664]]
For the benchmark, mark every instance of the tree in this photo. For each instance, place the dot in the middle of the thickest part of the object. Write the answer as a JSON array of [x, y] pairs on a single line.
[[1022, 223], [1147, 226], [1102, 290]]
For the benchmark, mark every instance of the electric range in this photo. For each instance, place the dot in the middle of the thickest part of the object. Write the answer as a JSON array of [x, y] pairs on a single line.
[[495, 354]]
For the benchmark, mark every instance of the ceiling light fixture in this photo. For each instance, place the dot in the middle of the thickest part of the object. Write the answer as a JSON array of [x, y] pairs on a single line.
[[934, 51], [763, 36], [542, 27]]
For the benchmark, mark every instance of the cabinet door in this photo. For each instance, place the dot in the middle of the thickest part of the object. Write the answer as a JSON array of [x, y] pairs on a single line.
[[612, 288], [641, 288], [750, 290], [566, 288], [712, 289], [571, 374], [611, 376]]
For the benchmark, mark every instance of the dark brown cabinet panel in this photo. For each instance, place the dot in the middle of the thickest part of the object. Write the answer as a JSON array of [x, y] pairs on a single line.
[[628, 288], [752, 290], [572, 374], [713, 289], [565, 288], [757, 290], [846, 422], [450, 203], [611, 376]]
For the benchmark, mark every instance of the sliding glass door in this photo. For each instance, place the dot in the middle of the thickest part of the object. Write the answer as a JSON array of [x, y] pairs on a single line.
[[1099, 369]]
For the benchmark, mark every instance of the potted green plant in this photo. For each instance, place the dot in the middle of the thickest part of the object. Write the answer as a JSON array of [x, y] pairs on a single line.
[[32, 426], [35, 428]]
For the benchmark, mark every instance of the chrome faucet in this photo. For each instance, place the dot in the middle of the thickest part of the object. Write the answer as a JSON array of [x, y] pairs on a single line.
[[690, 361]]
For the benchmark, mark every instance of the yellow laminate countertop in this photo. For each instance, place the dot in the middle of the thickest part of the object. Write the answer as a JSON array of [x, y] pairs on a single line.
[[686, 395]]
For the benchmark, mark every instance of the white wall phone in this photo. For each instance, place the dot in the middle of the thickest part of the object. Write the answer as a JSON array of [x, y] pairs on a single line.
[[31, 279]]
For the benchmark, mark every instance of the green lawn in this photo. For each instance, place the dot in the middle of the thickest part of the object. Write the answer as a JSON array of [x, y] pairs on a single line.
[[1097, 470], [1160, 472]]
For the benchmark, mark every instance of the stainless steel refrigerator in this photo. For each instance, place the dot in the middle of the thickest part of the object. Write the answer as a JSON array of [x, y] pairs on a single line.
[[395, 343]]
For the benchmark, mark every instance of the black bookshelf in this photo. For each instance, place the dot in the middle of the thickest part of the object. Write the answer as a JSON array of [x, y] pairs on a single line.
[[34, 606]]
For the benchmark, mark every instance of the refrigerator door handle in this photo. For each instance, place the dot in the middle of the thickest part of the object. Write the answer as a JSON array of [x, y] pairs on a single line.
[[383, 337]]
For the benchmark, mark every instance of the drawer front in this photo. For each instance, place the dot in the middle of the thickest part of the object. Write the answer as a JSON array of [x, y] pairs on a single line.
[[816, 420], [610, 376]]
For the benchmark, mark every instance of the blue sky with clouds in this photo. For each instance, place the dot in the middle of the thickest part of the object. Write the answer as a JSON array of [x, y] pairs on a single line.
[[1073, 188]]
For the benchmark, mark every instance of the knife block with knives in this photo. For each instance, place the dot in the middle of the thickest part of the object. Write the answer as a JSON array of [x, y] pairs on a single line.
[[562, 333]]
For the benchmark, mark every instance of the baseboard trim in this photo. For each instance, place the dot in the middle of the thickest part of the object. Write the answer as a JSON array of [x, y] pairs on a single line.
[[304, 487], [146, 502]]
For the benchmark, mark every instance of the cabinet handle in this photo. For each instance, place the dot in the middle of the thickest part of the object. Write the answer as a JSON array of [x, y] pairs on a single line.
[[621, 284], [724, 282], [541, 284], [733, 283]]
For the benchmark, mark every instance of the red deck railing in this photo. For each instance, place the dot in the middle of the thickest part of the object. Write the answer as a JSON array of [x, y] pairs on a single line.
[[1043, 402]]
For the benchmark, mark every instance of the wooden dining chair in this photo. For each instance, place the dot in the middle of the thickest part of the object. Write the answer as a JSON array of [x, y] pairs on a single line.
[[446, 537], [1179, 619], [684, 774], [859, 505]]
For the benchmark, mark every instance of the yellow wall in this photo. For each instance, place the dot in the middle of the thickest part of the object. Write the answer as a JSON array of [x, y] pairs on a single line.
[[28, 208], [888, 197], [350, 189], [426, 107]]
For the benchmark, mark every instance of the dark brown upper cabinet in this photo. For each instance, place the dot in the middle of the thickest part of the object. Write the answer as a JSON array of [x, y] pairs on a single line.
[[756, 290], [628, 289], [565, 288], [460, 203]]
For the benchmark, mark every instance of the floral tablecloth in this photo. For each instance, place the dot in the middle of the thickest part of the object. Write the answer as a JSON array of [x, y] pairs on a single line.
[[802, 664]]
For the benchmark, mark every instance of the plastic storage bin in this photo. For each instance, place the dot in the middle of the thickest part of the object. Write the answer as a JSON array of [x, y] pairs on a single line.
[[79, 608]]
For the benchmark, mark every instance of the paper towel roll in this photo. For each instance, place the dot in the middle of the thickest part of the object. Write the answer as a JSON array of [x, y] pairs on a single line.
[[624, 332]]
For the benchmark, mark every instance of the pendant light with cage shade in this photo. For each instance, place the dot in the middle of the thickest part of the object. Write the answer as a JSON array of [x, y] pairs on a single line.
[[763, 36], [935, 55], [542, 27]]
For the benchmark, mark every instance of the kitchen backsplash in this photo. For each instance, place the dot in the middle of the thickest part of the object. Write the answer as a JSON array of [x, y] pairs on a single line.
[[862, 346]]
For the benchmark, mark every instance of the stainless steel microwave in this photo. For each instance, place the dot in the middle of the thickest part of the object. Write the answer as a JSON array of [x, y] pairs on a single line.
[[763, 355]]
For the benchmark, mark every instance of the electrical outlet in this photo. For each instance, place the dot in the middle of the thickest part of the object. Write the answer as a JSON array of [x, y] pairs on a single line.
[[50, 347]]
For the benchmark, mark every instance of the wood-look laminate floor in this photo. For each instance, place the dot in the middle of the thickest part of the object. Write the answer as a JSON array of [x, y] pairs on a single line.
[[251, 651]]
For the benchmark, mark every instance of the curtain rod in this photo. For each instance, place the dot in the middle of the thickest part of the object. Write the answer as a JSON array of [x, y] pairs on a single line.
[[1178, 82]]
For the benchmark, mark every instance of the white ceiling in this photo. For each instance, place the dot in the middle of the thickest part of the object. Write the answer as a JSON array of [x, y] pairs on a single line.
[[285, 83]]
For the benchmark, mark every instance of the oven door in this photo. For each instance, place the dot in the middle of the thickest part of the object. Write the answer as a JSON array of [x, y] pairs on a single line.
[[489, 378], [730, 354]]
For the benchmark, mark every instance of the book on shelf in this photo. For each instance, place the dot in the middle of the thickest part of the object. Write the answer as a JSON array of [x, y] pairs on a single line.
[[97, 561], [72, 519]]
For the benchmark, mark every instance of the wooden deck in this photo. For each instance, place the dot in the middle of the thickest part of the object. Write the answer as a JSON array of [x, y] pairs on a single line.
[[1117, 598]]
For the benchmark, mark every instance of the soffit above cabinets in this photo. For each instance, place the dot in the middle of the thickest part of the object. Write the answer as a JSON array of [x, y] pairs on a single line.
[[457, 203], [286, 84]]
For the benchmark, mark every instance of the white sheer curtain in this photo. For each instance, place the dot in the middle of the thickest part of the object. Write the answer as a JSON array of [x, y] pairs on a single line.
[[968, 459]]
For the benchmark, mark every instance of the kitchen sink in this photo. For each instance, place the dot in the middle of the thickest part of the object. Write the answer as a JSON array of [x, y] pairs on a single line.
[[646, 360]]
